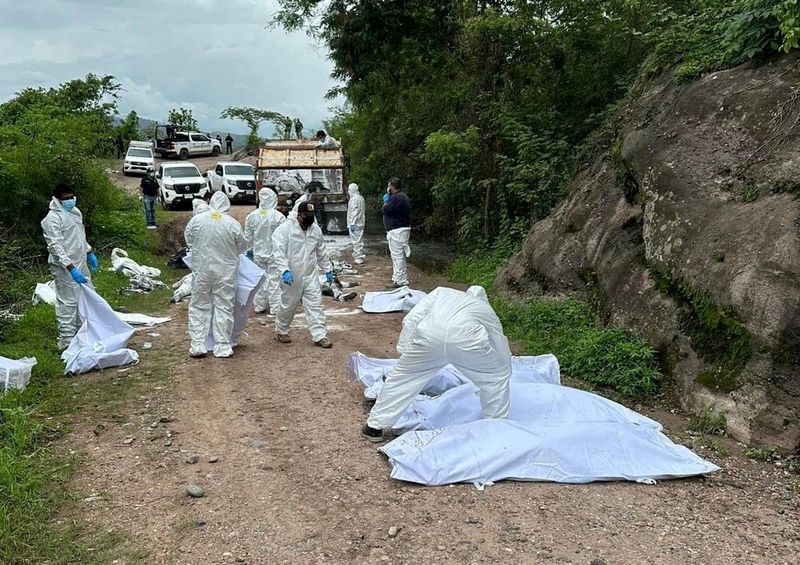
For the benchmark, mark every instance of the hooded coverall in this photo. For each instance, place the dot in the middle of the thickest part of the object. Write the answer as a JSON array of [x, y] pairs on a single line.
[[301, 253], [259, 226], [66, 243], [355, 222], [448, 326], [216, 240]]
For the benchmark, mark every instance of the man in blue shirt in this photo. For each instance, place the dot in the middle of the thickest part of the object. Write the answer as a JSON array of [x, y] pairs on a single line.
[[397, 223]]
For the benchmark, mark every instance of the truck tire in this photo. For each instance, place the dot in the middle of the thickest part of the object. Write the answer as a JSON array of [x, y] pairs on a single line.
[[215, 151], [184, 154]]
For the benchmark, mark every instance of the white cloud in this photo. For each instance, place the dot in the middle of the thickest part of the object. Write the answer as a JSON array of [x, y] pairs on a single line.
[[200, 54]]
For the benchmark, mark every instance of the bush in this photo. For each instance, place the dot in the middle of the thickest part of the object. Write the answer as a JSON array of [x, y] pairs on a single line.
[[707, 421], [605, 357]]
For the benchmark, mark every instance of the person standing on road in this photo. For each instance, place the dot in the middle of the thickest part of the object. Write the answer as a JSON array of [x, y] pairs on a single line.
[[298, 248], [216, 241], [447, 326], [259, 226], [149, 187], [120, 146], [219, 138], [70, 259], [397, 223], [355, 222], [228, 144]]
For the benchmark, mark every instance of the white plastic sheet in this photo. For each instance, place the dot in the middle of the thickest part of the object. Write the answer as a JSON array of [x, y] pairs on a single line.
[[531, 403], [16, 373], [486, 451], [371, 372], [121, 263], [46, 293], [101, 340], [250, 278], [401, 299]]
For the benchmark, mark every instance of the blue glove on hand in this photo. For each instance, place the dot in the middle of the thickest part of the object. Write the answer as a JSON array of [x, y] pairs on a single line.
[[287, 277], [249, 254], [329, 277], [91, 258], [77, 276], [352, 228], [386, 197]]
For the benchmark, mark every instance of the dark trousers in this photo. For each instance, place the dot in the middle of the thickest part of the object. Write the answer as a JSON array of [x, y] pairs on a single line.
[[229, 148]]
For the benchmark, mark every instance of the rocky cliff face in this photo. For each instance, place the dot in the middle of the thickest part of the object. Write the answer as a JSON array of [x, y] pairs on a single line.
[[687, 231]]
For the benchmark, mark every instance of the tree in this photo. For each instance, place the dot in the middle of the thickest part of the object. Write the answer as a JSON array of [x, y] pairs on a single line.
[[129, 128], [252, 117], [182, 118]]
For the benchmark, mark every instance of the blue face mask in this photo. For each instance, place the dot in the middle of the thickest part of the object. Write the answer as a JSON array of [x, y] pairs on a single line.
[[68, 205]]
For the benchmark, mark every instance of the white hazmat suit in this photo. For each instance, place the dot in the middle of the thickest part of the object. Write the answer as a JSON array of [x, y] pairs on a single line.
[[448, 326], [258, 229], [301, 253], [355, 222], [216, 240], [183, 287], [66, 243]]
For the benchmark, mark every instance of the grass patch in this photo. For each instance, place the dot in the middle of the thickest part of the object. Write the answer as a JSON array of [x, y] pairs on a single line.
[[765, 454], [33, 476], [603, 356], [707, 421]]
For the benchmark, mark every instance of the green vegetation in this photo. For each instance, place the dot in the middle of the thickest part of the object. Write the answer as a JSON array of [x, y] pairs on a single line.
[[787, 187], [480, 106], [50, 136], [707, 421], [602, 356], [253, 118], [765, 454], [750, 194], [717, 334]]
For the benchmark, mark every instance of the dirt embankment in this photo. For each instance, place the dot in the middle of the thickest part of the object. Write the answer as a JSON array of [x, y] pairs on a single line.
[[686, 227]]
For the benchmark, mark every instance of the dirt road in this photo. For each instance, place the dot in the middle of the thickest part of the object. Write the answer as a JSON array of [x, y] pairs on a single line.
[[287, 478]]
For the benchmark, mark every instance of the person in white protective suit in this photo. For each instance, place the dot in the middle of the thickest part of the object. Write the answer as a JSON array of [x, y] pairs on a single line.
[[259, 226], [355, 222], [216, 240], [70, 259], [183, 287], [447, 326], [298, 249]]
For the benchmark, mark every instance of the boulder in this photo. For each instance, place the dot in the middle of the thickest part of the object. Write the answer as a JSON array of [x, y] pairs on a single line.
[[685, 228]]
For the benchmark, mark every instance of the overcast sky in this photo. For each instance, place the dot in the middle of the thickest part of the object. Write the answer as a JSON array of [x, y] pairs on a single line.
[[204, 55]]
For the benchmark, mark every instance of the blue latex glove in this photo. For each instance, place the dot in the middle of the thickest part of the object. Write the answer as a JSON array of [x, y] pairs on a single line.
[[386, 197], [287, 277], [249, 254], [329, 277], [94, 264], [77, 276], [352, 228]]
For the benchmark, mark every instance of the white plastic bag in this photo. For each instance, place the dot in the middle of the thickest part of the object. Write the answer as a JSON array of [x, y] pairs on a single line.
[[16, 373]]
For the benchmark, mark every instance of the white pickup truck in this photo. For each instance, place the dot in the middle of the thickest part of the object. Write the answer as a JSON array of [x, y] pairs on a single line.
[[170, 142], [237, 180], [179, 183]]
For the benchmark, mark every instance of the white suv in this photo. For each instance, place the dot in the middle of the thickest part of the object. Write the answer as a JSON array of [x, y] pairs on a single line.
[[179, 183], [237, 180], [139, 158]]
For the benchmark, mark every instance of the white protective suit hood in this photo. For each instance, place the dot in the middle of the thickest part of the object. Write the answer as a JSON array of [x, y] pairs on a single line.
[[352, 189], [267, 199], [478, 292], [220, 203], [198, 207]]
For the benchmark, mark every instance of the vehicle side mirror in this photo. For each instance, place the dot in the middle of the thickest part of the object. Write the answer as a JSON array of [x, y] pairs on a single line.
[[205, 174], [158, 175]]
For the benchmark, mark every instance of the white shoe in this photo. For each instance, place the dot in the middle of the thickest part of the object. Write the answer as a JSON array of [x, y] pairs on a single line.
[[152, 227], [359, 261], [223, 351], [197, 351]]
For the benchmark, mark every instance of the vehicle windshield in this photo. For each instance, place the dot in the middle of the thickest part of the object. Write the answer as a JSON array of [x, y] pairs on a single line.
[[133, 152], [181, 172], [239, 170]]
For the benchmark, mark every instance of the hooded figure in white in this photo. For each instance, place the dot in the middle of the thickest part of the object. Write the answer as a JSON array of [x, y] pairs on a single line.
[[447, 326], [216, 240], [69, 264], [355, 222], [258, 229], [298, 249], [183, 287]]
